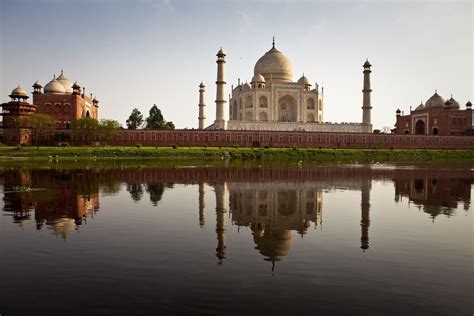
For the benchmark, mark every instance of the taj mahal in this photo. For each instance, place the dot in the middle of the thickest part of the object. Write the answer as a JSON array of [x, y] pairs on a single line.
[[273, 101]]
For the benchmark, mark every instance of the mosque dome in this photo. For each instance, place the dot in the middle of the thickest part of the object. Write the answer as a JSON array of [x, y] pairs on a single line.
[[274, 66], [420, 107], [436, 101], [54, 86], [303, 80], [454, 103], [67, 84], [258, 78], [19, 92]]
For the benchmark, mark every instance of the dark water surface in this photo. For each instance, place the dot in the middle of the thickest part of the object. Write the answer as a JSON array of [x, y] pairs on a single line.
[[256, 240]]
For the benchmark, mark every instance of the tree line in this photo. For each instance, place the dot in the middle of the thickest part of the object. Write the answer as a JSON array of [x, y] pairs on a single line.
[[88, 129]]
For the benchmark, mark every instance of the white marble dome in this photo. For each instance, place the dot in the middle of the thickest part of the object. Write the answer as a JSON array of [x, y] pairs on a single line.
[[54, 86], [258, 78], [274, 66], [303, 80], [436, 101], [67, 84]]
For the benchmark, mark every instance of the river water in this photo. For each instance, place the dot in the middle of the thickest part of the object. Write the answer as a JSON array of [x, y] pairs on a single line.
[[280, 239]]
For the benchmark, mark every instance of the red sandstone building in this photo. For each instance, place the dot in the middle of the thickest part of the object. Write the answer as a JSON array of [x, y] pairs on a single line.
[[436, 117], [61, 99]]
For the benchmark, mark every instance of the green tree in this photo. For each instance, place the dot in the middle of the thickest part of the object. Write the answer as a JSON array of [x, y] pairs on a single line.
[[40, 125], [135, 120], [85, 129], [156, 121], [108, 129]]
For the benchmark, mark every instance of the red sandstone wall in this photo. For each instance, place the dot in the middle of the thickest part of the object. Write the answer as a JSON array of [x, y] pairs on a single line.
[[216, 138]]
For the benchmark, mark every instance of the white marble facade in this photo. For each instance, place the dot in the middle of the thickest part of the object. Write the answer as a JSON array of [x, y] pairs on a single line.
[[273, 101]]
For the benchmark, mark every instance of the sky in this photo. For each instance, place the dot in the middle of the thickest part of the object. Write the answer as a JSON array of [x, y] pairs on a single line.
[[139, 53]]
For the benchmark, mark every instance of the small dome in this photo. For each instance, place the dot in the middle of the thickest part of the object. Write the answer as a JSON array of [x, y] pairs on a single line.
[[367, 64], [304, 81], [67, 84], [274, 66], [37, 84], [76, 85], [202, 85], [258, 78], [54, 86], [19, 92], [454, 103], [246, 86], [468, 104], [420, 107], [436, 101]]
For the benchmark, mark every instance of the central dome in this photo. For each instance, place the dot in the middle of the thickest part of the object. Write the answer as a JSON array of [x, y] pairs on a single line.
[[274, 66]]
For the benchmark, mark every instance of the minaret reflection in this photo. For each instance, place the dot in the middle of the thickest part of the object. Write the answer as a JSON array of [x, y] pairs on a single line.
[[221, 210], [202, 203], [365, 209]]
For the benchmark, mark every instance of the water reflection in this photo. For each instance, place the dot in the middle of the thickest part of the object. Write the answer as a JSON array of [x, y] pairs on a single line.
[[271, 202]]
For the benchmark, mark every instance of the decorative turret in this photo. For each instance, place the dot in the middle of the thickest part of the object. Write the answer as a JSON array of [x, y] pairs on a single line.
[[76, 88], [37, 88], [398, 112], [366, 103], [305, 83], [202, 105], [220, 122], [468, 105], [19, 94]]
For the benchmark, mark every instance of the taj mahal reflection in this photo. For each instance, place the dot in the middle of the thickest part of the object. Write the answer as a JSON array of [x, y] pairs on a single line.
[[273, 204]]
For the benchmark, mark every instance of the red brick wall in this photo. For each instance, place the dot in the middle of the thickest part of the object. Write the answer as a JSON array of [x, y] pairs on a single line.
[[63, 107], [217, 138]]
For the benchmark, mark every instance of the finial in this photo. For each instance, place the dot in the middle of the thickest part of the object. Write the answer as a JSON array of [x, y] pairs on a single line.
[[62, 71], [273, 42], [54, 77], [436, 90]]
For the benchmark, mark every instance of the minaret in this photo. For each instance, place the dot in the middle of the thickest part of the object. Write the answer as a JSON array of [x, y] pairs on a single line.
[[220, 122], [202, 203], [221, 209], [201, 117], [366, 104], [365, 209]]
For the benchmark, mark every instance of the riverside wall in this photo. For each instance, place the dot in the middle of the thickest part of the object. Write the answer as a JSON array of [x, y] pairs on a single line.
[[280, 139]]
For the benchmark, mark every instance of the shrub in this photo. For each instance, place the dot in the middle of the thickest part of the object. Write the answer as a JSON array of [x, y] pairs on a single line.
[[175, 146], [139, 145]]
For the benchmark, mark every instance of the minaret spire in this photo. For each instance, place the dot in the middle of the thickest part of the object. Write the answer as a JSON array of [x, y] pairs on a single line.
[[202, 105], [366, 103], [273, 42], [220, 122]]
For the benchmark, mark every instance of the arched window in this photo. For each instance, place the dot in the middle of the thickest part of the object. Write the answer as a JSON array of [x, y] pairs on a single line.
[[310, 117], [320, 105], [88, 114], [66, 109], [310, 104], [435, 131], [420, 127], [67, 125], [248, 102], [249, 116], [263, 101], [234, 111], [263, 117]]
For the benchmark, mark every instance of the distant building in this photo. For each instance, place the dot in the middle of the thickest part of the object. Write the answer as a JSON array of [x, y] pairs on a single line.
[[436, 117], [64, 101], [61, 99], [273, 101]]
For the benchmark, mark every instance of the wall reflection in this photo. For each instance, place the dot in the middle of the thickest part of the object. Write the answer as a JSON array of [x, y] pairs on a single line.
[[274, 203]]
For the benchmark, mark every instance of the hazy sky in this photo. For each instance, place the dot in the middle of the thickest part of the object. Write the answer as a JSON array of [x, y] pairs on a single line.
[[139, 53]]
